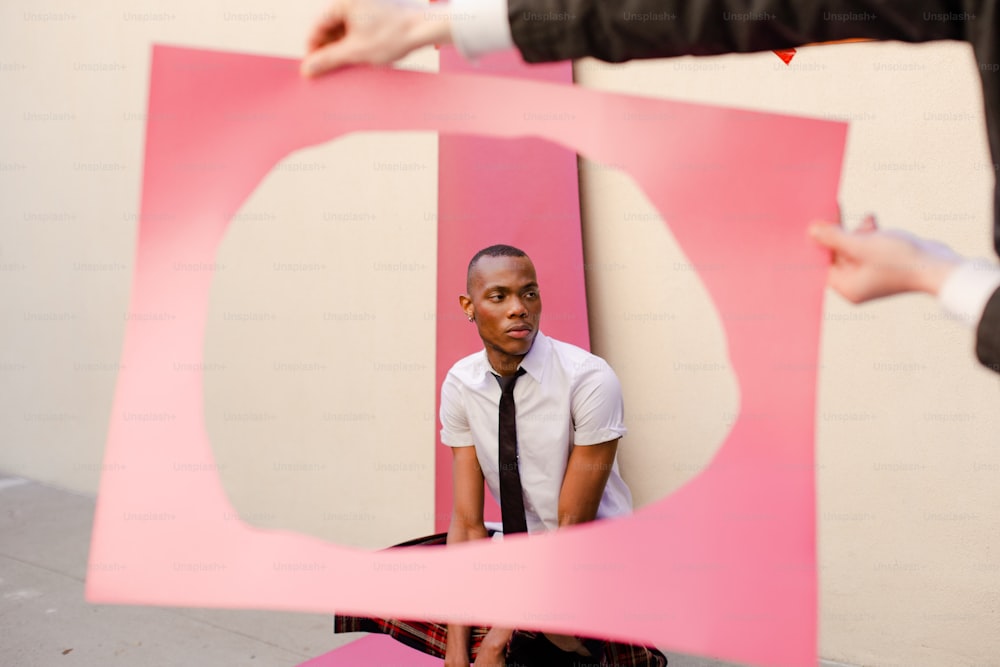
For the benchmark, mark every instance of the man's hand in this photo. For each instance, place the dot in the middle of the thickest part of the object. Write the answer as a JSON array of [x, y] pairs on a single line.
[[869, 263], [490, 659], [456, 659], [373, 32], [567, 643], [493, 650]]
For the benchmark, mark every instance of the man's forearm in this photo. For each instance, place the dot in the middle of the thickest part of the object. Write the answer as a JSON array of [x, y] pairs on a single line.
[[457, 642], [458, 635], [574, 510], [587, 474], [582, 489]]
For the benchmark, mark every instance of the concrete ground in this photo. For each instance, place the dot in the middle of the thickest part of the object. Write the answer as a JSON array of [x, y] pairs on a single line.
[[45, 622]]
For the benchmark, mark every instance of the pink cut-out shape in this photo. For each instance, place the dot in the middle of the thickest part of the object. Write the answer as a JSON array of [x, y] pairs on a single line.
[[724, 567]]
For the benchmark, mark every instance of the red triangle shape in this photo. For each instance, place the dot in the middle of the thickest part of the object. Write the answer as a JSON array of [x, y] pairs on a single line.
[[786, 55]]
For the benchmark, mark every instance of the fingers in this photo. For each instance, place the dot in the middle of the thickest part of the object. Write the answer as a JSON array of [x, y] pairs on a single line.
[[828, 235], [373, 32], [868, 223], [834, 237], [328, 58], [329, 28], [327, 46]]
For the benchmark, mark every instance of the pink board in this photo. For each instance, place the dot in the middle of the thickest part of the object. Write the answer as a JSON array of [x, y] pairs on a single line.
[[724, 567], [523, 193]]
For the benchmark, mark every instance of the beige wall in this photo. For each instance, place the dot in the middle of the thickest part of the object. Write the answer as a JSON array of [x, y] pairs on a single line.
[[908, 464]]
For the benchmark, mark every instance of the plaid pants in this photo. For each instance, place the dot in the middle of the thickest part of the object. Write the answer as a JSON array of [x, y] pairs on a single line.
[[527, 648]]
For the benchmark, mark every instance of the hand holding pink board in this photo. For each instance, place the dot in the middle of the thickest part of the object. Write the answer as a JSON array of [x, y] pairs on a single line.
[[696, 575]]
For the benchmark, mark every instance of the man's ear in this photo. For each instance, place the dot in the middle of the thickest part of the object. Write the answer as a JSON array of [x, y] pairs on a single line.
[[466, 303]]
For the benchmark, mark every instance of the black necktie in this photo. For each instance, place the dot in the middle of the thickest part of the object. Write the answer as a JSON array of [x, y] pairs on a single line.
[[511, 498]]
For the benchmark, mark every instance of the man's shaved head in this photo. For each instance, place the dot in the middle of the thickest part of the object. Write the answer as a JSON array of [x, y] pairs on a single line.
[[504, 301], [499, 250]]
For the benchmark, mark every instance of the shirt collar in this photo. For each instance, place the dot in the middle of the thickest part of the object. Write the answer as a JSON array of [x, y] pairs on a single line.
[[534, 363]]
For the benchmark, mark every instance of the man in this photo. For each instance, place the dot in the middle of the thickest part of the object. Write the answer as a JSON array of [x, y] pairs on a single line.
[[569, 418], [381, 31], [545, 447]]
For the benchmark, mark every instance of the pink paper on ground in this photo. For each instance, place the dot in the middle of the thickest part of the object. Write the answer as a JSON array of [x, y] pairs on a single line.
[[376, 651], [724, 567]]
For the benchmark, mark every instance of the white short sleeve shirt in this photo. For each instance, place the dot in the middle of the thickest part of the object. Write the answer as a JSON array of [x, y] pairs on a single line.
[[567, 397]]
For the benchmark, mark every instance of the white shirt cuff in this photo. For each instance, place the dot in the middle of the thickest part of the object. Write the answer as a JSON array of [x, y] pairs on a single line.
[[479, 27], [967, 289]]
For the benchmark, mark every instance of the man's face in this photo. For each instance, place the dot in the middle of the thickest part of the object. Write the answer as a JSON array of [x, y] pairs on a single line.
[[505, 302]]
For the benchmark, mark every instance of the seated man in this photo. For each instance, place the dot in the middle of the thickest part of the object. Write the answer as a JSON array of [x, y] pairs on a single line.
[[538, 422]]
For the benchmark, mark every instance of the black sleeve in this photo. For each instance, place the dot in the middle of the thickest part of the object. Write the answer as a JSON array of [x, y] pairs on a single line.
[[619, 30], [988, 334]]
